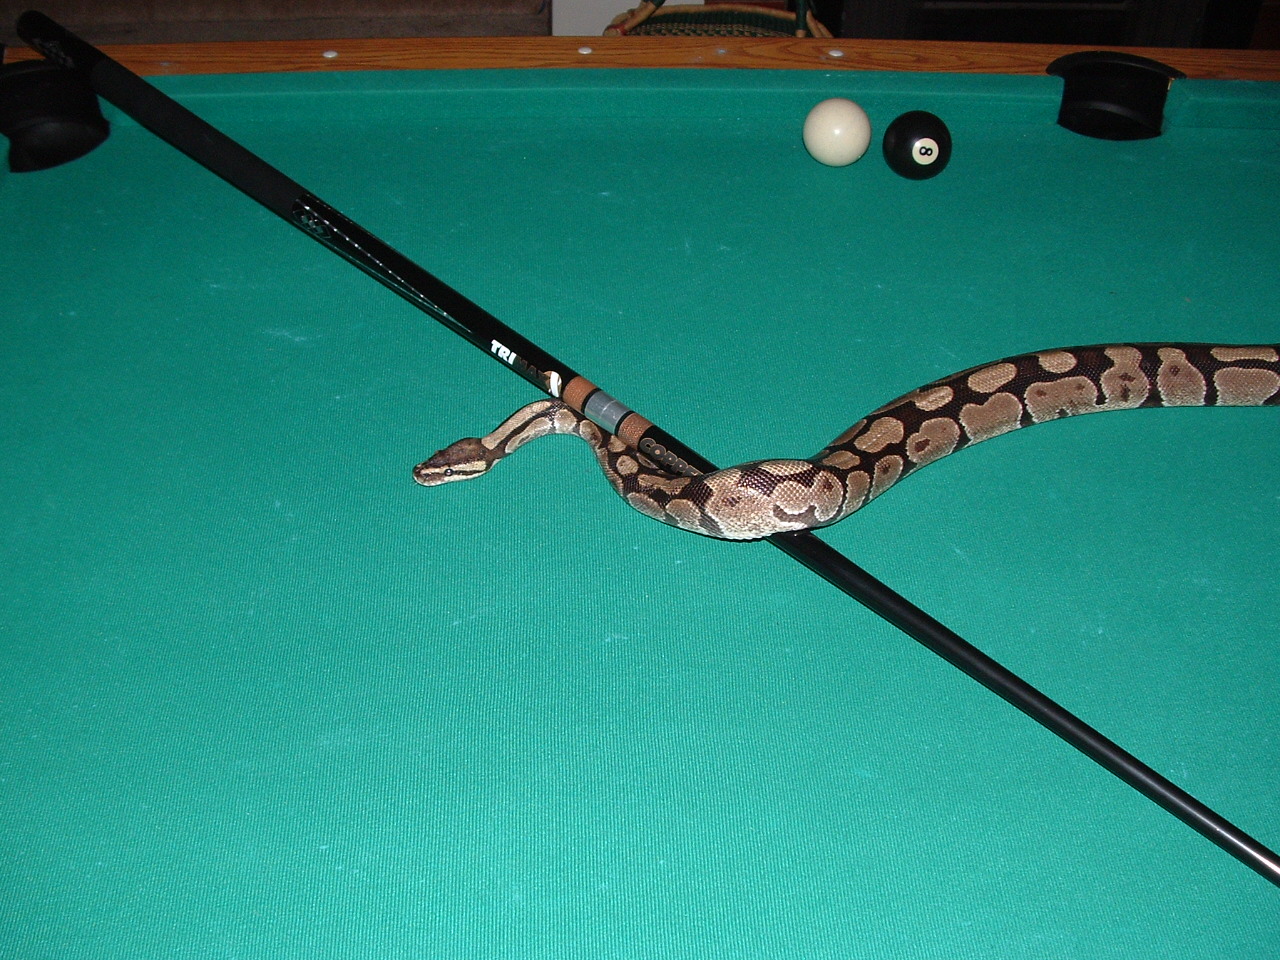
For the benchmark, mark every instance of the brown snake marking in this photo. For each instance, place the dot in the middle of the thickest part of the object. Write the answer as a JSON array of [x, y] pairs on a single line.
[[756, 499]]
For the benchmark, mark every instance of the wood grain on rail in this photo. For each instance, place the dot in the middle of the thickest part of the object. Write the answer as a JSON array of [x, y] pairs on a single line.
[[649, 52]]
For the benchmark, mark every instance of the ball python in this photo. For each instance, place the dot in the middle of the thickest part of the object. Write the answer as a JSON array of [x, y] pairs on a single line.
[[763, 497]]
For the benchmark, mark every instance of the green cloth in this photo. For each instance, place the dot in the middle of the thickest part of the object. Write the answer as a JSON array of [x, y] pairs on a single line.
[[263, 697]]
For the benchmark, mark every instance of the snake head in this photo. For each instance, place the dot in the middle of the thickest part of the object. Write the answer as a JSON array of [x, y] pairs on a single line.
[[462, 460]]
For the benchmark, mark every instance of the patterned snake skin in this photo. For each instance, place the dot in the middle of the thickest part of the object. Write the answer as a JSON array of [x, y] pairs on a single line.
[[764, 497]]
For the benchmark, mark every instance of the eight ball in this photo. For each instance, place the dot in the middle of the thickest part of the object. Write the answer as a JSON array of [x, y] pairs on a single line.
[[917, 145]]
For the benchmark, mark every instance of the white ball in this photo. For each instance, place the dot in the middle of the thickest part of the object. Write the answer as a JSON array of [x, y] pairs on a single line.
[[837, 132]]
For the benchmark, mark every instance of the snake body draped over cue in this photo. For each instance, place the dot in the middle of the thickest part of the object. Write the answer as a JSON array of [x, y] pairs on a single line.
[[764, 497]]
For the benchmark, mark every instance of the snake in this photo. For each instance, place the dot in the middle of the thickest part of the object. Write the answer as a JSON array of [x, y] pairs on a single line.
[[766, 497]]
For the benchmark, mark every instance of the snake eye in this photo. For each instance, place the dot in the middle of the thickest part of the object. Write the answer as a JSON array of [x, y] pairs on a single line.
[[448, 471]]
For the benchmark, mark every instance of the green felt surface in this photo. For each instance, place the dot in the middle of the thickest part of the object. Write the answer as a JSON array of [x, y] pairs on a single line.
[[263, 697]]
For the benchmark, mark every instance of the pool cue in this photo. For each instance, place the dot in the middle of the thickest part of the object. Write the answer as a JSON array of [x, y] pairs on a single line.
[[268, 186]]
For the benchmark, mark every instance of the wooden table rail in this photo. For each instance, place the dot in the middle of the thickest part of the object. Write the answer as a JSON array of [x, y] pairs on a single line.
[[693, 52]]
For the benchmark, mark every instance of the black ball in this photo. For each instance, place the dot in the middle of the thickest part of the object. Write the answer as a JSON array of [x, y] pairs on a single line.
[[917, 145]]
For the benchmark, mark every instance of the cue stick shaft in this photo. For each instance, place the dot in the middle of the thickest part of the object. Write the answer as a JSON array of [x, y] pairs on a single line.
[[259, 180]]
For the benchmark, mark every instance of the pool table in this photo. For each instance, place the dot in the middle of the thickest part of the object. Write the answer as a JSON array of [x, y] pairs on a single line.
[[264, 697]]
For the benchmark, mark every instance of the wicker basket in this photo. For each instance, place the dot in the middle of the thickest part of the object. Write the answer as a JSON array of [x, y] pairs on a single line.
[[715, 20]]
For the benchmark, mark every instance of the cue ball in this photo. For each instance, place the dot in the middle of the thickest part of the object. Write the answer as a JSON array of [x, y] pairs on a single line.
[[917, 145], [837, 132]]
